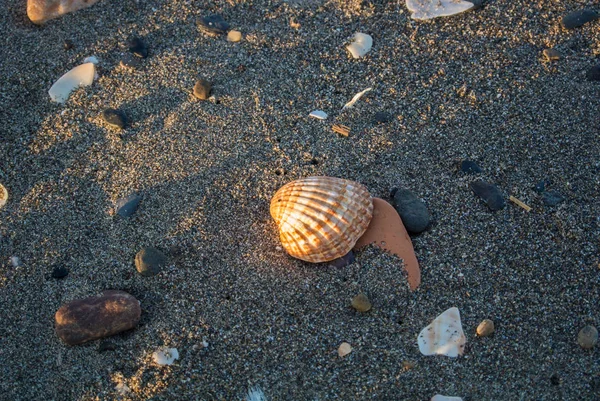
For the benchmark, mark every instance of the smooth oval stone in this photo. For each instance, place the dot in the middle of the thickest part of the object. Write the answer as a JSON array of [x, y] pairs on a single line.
[[213, 25], [114, 118], [150, 261], [587, 337], [361, 303], [485, 328], [127, 206], [234, 36], [593, 74], [344, 261], [202, 89], [387, 232], [412, 210], [96, 317], [490, 194], [578, 18], [552, 198], [138, 47], [470, 167], [60, 272]]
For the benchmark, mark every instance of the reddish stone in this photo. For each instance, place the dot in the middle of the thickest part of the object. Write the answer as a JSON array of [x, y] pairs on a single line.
[[95, 317], [387, 232]]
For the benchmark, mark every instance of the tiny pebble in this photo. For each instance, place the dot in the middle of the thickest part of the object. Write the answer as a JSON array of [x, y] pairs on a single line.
[[490, 194], [485, 328], [234, 36], [470, 167], [114, 118], [540, 187], [593, 74], [578, 18], [68, 44], [130, 61], [361, 303], [555, 379], [587, 337], [202, 89], [149, 261], [106, 346], [381, 117], [138, 47], [552, 198], [59, 272], [318, 114], [126, 207], [551, 54], [15, 261], [344, 349]]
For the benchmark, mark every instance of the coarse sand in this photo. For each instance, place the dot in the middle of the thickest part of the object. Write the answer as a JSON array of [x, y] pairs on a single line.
[[242, 313]]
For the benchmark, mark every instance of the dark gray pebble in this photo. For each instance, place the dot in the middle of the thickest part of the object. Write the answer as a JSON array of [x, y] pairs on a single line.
[[138, 47], [150, 261], [60, 272], [540, 187], [213, 25], [202, 89], [412, 210], [344, 261], [106, 346], [470, 167], [68, 44], [552, 198], [130, 61], [128, 205], [490, 194], [114, 118], [593, 74], [381, 117], [578, 18], [477, 4]]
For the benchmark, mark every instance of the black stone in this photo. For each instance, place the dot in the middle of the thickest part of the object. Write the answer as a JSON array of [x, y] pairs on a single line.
[[150, 261], [412, 211], [106, 346], [114, 118], [59, 272], [381, 117], [578, 18], [138, 47], [68, 44], [555, 379], [469, 166], [344, 261], [540, 187], [213, 25], [552, 198], [128, 205], [490, 194], [477, 4], [593, 74]]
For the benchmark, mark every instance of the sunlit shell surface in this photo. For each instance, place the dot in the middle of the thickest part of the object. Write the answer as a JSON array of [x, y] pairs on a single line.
[[321, 218], [444, 336]]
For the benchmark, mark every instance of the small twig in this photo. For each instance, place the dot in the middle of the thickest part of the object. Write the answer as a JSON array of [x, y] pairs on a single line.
[[341, 129], [520, 203]]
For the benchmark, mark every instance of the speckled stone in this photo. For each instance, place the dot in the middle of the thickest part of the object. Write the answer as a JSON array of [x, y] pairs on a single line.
[[588, 337], [578, 18], [150, 261], [490, 194], [412, 210], [127, 206], [361, 303], [202, 89], [485, 328], [114, 118]]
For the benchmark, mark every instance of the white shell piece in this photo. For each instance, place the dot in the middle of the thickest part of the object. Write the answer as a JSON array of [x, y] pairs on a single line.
[[444, 336], [165, 356], [439, 397], [91, 59], [3, 196], [428, 9], [319, 114], [355, 99], [82, 75], [256, 394], [344, 349], [361, 45]]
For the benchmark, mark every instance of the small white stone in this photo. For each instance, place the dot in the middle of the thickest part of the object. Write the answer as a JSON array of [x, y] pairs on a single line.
[[344, 349], [360, 45], [319, 114], [165, 356], [234, 36], [15, 261]]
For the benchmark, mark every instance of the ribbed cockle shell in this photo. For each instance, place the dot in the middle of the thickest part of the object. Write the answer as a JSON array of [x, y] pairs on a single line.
[[321, 218]]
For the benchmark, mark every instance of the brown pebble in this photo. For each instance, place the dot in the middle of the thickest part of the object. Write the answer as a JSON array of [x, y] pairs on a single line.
[[202, 89], [40, 11], [485, 328], [551, 54], [234, 36], [96, 317], [361, 303], [588, 337]]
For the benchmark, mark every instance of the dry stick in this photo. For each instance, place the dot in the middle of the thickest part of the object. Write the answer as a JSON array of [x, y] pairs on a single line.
[[341, 129], [520, 203]]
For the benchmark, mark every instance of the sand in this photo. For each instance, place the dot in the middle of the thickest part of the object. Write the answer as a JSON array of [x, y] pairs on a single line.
[[473, 86]]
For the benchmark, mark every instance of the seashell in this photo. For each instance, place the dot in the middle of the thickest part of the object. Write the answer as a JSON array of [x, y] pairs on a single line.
[[361, 45], [444, 336], [40, 11], [321, 218], [3, 196], [82, 75]]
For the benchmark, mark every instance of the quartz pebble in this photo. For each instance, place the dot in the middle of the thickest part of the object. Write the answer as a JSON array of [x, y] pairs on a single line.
[[485, 328], [96, 317], [138, 47], [149, 261], [234, 36], [126, 207], [551, 54], [114, 118], [470, 167], [40, 11], [444, 336], [213, 25], [439, 397], [587, 337], [202, 89], [578, 18], [361, 303], [344, 349], [412, 211], [490, 194]]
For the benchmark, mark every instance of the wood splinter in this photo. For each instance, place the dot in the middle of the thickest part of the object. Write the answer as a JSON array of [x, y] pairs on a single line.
[[520, 203], [341, 129]]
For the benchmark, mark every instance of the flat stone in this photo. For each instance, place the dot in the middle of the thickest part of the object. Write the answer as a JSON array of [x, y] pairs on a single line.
[[490, 194], [150, 261], [127, 206], [213, 25], [551, 54], [412, 210], [552, 198], [593, 74], [485, 328], [114, 118], [361, 303], [96, 317], [387, 232], [130, 61], [578, 18], [588, 337], [234, 36], [40, 11], [138, 47], [202, 89], [470, 167], [59, 272]]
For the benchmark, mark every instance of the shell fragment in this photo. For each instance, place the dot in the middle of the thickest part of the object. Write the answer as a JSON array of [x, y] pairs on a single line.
[[444, 336], [82, 75], [318, 114], [165, 356], [428, 9], [360, 45], [355, 99]]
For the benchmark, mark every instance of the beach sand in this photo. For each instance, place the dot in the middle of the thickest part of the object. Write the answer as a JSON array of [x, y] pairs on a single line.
[[472, 86]]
